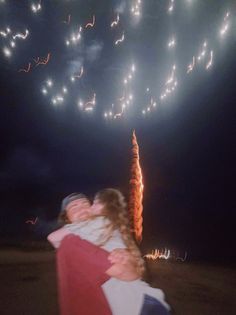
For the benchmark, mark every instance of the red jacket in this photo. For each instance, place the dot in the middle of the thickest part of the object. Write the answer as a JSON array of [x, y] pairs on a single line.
[[81, 270]]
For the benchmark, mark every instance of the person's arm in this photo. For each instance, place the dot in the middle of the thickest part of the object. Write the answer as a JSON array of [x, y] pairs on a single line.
[[57, 236], [124, 265]]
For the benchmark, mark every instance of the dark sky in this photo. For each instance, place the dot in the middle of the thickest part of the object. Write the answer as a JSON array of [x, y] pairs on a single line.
[[186, 142]]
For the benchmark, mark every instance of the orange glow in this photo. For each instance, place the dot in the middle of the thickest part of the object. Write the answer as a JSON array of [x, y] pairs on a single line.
[[136, 192]]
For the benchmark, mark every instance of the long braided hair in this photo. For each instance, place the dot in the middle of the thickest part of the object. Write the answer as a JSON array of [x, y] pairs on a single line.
[[115, 209]]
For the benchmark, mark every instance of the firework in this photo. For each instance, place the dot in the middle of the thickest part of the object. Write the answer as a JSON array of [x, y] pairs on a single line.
[[191, 66], [27, 69], [68, 19], [21, 35], [120, 40], [7, 52], [136, 8], [136, 191], [225, 27], [43, 61], [91, 24], [209, 64], [171, 6], [33, 222], [116, 21], [36, 7]]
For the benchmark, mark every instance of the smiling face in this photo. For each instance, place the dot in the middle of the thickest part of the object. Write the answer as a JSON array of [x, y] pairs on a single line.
[[78, 210]]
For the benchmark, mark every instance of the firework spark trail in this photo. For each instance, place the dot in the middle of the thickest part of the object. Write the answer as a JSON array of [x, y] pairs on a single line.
[[6, 32], [136, 191], [126, 99], [33, 222], [136, 7], [191, 66], [91, 24], [78, 76], [159, 254], [36, 60], [89, 106], [44, 61], [68, 19], [120, 40], [182, 259], [115, 22], [225, 26], [27, 69], [171, 6], [36, 7], [209, 64], [172, 43], [21, 35]]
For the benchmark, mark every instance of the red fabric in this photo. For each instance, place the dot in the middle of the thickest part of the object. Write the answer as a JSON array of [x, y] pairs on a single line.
[[81, 270]]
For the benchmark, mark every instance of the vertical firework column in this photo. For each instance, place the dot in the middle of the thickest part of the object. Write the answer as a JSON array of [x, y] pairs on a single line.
[[136, 192]]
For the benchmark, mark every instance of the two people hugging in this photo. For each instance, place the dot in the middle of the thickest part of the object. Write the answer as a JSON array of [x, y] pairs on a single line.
[[99, 265]]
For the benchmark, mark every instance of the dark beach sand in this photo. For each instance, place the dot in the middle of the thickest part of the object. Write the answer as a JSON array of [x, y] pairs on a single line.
[[28, 285]]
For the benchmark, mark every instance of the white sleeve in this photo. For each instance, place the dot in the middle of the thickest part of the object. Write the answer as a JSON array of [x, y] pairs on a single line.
[[57, 236], [90, 230]]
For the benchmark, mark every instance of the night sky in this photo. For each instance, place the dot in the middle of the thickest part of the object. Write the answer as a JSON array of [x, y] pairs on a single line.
[[186, 142]]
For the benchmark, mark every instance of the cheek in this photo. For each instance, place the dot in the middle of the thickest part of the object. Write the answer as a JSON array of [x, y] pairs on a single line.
[[97, 209]]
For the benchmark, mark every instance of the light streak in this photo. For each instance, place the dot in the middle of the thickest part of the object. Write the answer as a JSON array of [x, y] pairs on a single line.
[[136, 8], [209, 64], [68, 20], [182, 259], [33, 222], [21, 35], [27, 69], [172, 43], [115, 22], [36, 7], [225, 26], [158, 254], [203, 51], [91, 102], [49, 83], [6, 32], [91, 24], [36, 60], [166, 254], [7, 52], [171, 6], [120, 40], [78, 76], [75, 37], [44, 61], [136, 191], [191, 65]]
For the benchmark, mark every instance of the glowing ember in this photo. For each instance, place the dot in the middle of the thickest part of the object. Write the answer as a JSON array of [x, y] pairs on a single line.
[[136, 192]]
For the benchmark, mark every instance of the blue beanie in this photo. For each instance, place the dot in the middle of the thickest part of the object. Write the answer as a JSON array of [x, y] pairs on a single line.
[[70, 198]]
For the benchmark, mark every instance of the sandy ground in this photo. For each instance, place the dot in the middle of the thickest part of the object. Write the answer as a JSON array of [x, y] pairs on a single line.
[[28, 285]]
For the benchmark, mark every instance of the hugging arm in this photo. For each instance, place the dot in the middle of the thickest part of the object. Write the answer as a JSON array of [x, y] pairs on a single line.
[[124, 265], [56, 237]]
